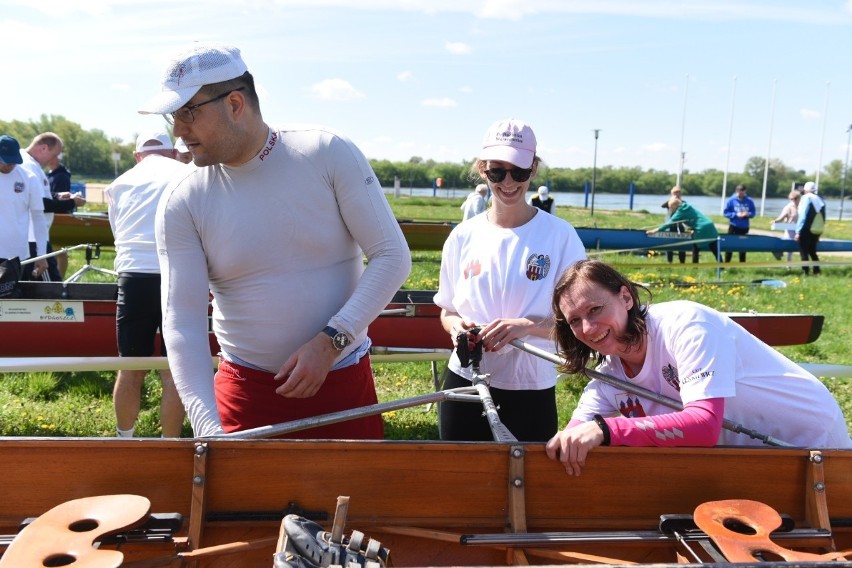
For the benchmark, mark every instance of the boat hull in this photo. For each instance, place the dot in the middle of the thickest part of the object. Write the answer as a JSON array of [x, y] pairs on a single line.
[[418, 498], [74, 229], [78, 228], [78, 320]]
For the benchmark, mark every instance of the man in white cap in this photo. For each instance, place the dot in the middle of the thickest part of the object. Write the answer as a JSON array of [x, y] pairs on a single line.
[[542, 200], [183, 153], [132, 200], [810, 225], [20, 205], [275, 222]]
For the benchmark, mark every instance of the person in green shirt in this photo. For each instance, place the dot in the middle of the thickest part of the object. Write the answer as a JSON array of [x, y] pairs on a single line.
[[684, 215]]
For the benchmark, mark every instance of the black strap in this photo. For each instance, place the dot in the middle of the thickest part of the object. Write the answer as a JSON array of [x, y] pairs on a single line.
[[599, 420]]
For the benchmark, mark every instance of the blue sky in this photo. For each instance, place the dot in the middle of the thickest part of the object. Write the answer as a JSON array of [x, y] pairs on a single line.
[[426, 78]]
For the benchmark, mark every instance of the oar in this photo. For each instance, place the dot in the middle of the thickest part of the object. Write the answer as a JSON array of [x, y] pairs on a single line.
[[51, 254], [656, 397], [498, 429], [342, 415]]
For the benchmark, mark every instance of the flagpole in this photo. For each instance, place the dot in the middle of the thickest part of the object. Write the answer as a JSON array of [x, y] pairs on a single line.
[[822, 137], [682, 129], [768, 148], [728, 157]]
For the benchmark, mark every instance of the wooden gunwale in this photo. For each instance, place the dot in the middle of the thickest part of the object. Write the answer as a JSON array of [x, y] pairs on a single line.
[[424, 486]]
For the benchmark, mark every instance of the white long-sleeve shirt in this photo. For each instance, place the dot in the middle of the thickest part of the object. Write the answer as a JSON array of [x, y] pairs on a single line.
[[280, 242]]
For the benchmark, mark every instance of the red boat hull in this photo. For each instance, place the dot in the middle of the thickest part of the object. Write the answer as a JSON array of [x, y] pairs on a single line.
[[78, 320]]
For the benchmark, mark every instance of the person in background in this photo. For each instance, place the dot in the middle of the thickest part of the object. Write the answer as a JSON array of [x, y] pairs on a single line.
[[183, 153], [542, 200], [497, 275], [674, 192], [475, 202], [59, 179], [682, 214], [276, 224], [739, 209], [686, 352], [20, 205], [43, 150], [132, 199], [789, 214], [810, 225]]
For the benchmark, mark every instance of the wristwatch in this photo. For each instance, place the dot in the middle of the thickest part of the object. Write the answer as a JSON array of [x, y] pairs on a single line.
[[339, 340]]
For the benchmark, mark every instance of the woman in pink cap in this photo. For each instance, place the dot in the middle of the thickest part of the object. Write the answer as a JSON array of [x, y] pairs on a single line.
[[498, 272]]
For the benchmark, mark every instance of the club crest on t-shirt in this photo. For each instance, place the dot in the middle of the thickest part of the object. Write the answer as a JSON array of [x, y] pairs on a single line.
[[19, 187], [538, 265], [629, 405], [670, 375]]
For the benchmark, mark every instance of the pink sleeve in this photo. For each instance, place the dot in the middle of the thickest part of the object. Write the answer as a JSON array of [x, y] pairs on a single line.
[[697, 425]]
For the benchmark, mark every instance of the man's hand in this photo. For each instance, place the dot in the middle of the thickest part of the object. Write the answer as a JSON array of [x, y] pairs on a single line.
[[305, 371], [39, 268]]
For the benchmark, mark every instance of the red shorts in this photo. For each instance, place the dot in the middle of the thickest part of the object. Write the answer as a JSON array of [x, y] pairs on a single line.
[[246, 399]]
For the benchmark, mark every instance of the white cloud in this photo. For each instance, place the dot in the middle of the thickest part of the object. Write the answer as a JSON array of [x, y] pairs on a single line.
[[405, 76], [809, 114], [336, 90], [656, 147], [469, 90], [119, 87], [445, 102], [458, 48]]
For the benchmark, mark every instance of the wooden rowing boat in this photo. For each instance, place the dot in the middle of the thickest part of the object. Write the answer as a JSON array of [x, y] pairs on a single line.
[[53, 319], [76, 228], [68, 230], [420, 499]]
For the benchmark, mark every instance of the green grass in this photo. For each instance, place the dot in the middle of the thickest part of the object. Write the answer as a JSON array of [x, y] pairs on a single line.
[[80, 404]]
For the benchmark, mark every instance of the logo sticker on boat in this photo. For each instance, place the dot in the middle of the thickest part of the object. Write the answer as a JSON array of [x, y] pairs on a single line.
[[41, 311]]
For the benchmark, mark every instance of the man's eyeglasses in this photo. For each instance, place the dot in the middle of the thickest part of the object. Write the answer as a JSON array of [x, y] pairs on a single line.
[[184, 114], [496, 175]]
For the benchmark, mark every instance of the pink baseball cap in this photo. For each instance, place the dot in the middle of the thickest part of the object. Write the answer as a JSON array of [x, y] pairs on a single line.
[[510, 141], [202, 64]]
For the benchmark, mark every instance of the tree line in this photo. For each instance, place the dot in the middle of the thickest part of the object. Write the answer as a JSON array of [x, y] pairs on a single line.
[[89, 156]]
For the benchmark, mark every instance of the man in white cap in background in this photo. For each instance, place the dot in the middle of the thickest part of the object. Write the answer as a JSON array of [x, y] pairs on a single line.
[[276, 223], [810, 225], [542, 200], [21, 205], [475, 202], [132, 200], [183, 153]]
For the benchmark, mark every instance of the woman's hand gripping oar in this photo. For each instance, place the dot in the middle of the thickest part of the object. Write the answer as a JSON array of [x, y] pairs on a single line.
[[471, 356]]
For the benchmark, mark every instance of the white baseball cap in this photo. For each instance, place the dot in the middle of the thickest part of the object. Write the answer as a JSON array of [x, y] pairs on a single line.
[[201, 64], [509, 141], [811, 186], [543, 191], [154, 140]]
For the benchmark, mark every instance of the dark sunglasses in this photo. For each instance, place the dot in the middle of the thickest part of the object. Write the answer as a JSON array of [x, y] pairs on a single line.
[[496, 175]]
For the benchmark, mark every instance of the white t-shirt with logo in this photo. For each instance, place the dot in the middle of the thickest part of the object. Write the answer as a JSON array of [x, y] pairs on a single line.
[[696, 353], [488, 272]]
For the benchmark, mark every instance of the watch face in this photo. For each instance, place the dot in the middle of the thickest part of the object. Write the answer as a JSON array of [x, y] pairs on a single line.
[[340, 341]]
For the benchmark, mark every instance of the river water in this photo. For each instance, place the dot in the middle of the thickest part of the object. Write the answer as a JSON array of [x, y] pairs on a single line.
[[709, 205]]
